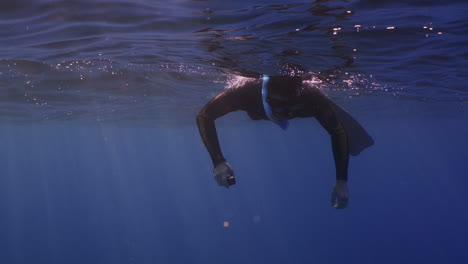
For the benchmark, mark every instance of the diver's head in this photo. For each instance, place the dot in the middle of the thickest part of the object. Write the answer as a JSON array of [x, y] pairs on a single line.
[[284, 86], [280, 91]]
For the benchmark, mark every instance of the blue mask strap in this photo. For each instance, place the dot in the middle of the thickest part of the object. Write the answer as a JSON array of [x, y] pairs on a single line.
[[281, 123]]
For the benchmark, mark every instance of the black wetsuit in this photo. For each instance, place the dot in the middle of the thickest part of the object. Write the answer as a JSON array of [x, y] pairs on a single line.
[[301, 101]]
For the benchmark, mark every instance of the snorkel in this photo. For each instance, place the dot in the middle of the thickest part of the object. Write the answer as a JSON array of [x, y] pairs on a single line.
[[281, 123]]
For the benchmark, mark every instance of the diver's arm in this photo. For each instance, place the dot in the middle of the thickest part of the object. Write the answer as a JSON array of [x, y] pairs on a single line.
[[323, 109], [339, 140], [221, 105]]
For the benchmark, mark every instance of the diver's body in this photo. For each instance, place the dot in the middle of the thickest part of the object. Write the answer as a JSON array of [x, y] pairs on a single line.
[[281, 98]]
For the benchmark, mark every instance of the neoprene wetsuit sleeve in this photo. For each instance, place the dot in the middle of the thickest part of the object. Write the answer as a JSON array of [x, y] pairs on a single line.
[[339, 141], [224, 103], [322, 108]]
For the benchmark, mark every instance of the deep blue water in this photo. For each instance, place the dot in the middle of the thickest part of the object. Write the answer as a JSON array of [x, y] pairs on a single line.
[[102, 161]]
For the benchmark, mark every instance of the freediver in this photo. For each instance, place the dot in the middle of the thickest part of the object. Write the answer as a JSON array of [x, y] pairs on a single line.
[[279, 99]]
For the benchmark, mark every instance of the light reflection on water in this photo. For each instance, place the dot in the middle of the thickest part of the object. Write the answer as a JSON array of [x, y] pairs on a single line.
[[60, 61]]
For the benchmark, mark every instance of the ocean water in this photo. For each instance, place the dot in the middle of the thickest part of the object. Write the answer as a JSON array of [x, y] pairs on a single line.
[[102, 162]]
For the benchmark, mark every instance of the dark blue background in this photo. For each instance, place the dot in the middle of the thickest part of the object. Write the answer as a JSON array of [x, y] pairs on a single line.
[[75, 193]]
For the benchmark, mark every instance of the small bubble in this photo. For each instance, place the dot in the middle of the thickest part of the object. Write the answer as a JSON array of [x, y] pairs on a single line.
[[256, 219]]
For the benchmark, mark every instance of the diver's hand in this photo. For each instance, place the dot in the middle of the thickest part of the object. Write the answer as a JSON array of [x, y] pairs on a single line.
[[224, 174], [340, 195]]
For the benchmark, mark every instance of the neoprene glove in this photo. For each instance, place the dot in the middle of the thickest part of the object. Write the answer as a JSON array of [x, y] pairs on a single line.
[[340, 195], [224, 174]]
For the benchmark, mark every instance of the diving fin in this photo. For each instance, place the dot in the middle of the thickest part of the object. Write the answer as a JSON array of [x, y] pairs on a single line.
[[358, 138]]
